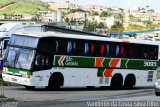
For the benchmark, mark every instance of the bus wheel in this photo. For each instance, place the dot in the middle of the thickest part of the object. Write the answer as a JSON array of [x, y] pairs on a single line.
[[29, 87], [129, 81], [157, 93], [55, 81], [116, 82]]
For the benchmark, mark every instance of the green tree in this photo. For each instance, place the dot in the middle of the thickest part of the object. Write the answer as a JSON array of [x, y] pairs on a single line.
[[105, 14], [101, 25], [93, 13], [117, 27], [72, 21], [118, 16], [66, 19], [75, 10], [90, 26]]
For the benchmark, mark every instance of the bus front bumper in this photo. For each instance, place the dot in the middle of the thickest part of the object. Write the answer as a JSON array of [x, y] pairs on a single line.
[[19, 80]]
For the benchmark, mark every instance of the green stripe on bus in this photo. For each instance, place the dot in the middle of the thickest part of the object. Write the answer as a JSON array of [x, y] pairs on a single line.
[[80, 61], [15, 70]]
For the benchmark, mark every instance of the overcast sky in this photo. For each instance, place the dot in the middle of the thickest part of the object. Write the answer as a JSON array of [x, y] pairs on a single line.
[[153, 4]]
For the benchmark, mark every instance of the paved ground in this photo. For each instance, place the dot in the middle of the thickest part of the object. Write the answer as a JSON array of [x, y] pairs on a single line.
[[79, 97]]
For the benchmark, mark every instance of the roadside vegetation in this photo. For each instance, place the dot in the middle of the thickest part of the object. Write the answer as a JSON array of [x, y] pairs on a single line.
[[28, 7]]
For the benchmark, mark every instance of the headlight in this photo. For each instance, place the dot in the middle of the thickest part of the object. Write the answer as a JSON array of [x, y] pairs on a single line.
[[5, 70]]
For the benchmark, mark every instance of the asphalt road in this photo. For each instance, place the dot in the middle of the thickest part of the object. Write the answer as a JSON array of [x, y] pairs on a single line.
[[79, 97]]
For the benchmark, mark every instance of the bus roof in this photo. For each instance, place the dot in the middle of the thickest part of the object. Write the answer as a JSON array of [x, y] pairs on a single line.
[[86, 37]]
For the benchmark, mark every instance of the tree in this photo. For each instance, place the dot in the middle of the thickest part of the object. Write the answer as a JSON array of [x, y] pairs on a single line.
[[93, 13], [101, 25], [75, 10], [5, 16], [117, 27], [90, 26], [72, 21], [118, 16], [105, 14], [66, 19]]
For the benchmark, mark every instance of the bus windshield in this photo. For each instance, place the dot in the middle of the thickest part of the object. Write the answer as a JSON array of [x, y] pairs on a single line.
[[19, 58]]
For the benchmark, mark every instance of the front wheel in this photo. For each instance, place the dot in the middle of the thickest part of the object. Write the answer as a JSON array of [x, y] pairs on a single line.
[[53, 84]]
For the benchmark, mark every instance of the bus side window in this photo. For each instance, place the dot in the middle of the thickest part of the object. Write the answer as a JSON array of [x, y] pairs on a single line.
[[86, 50], [43, 61], [107, 50], [102, 49], [57, 46], [145, 55], [117, 51], [78, 48], [69, 47], [61, 46], [112, 50], [128, 51], [122, 51], [153, 53], [92, 48], [131, 52], [138, 52]]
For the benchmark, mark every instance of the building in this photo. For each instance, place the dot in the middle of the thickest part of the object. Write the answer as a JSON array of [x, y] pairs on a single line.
[[62, 5]]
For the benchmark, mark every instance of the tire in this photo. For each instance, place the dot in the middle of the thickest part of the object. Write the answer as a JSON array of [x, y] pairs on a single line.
[[29, 87], [129, 82], [116, 82], [55, 82], [157, 93]]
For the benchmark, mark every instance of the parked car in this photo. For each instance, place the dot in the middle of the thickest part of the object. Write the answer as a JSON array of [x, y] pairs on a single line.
[[157, 87]]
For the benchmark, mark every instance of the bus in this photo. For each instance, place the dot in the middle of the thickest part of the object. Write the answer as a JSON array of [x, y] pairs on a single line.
[[53, 60]]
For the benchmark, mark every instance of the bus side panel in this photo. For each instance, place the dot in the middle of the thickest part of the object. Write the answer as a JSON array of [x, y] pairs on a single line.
[[89, 76]]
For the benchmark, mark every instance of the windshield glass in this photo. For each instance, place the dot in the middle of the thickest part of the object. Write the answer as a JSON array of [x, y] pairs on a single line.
[[19, 58], [24, 41], [24, 59], [10, 60]]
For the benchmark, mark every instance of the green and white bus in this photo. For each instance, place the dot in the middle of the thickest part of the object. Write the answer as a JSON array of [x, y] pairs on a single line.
[[53, 60]]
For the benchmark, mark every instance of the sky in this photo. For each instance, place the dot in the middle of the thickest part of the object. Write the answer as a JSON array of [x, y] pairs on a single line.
[[126, 4]]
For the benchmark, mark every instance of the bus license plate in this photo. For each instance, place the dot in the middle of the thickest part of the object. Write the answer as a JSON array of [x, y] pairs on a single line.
[[14, 79]]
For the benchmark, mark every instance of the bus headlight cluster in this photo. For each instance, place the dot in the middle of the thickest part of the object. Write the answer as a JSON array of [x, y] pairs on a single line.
[[5, 70]]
